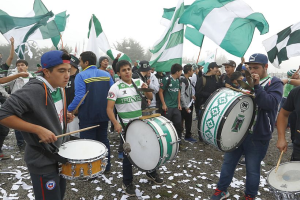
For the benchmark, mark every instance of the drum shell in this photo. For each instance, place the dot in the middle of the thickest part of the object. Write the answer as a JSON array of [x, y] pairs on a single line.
[[84, 168], [159, 127], [238, 97]]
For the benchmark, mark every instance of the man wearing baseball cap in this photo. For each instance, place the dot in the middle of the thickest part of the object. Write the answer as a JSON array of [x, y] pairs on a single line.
[[70, 93], [39, 111], [229, 69], [103, 62], [268, 94]]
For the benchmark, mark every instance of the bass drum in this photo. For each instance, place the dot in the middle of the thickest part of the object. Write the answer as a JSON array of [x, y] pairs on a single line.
[[226, 118], [153, 142]]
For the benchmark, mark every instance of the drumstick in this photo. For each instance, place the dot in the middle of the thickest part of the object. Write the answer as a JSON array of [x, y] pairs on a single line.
[[80, 102], [279, 161], [240, 91], [70, 133], [298, 131], [150, 116]]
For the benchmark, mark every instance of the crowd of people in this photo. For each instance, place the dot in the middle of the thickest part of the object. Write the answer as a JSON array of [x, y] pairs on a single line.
[[42, 105]]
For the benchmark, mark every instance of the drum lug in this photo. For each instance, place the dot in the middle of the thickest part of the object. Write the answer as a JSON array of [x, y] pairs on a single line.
[[73, 170], [81, 172], [103, 164], [90, 169], [164, 135], [172, 143]]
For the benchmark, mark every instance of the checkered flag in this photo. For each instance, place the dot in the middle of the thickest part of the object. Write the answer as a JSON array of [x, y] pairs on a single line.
[[283, 45]]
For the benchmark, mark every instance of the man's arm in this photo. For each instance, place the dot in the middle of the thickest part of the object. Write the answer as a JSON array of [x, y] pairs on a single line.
[[17, 123], [282, 121], [111, 115], [80, 90], [162, 99], [13, 77], [183, 97], [179, 102], [12, 52]]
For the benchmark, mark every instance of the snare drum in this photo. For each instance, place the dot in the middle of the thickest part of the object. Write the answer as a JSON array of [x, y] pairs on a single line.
[[153, 142], [285, 183], [226, 118], [86, 159]]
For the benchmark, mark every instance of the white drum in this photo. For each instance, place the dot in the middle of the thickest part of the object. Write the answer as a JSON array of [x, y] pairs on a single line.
[[285, 183], [86, 159], [226, 118], [153, 142]]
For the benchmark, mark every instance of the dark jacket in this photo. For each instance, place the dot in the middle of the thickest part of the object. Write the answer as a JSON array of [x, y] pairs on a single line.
[[33, 105], [267, 99], [202, 93], [70, 89]]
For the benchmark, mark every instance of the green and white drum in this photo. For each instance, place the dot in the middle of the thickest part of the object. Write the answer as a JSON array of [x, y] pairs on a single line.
[[153, 142], [226, 118]]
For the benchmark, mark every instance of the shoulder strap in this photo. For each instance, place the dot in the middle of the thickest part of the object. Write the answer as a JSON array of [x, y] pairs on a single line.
[[139, 93], [203, 82]]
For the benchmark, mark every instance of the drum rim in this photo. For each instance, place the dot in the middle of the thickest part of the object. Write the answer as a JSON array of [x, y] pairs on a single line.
[[128, 156], [79, 161], [223, 120], [273, 170]]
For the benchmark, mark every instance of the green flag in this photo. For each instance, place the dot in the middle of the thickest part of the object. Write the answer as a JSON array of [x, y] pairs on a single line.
[[61, 21]]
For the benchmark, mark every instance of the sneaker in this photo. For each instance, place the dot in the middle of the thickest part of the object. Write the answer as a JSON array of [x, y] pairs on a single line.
[[190, 140], [248, 197], [218, 195], [242, 161], [120, 155], [3, 156], [129, 189], [155, 179]]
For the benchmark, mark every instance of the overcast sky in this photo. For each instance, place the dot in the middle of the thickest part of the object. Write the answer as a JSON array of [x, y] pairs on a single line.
[[140, 20]]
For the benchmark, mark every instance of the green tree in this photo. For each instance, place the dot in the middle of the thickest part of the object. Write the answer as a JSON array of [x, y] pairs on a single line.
[[131, 48]]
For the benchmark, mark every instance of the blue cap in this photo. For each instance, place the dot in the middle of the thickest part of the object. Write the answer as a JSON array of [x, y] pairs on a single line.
[[52, 58], [244, 67], [258, 58]]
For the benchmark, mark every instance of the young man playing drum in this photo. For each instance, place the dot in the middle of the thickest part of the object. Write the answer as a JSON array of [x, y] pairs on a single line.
[[124, 96], [39, 111], [268, 93]]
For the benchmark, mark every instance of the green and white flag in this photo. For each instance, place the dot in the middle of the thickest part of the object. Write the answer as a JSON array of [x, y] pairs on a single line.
[[168, 49], [98, 39], [283, 45], [61, 22], [37, 25], [229, 23], [210, 58], [191, 34]]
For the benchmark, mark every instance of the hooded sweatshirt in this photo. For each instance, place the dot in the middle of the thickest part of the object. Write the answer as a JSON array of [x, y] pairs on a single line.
[[34, 104]]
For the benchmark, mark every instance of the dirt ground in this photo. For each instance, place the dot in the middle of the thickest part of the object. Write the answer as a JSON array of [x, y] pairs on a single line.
[[192, 175]]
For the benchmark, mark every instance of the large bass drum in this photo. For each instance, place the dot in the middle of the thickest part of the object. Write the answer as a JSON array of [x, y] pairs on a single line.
[[226, 118]]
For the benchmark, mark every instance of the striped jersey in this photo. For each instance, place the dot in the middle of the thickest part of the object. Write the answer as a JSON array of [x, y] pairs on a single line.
[[127, 100]]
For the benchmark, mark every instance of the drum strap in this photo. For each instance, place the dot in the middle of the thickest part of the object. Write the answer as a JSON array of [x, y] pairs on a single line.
[[50, 155], [144, 101]]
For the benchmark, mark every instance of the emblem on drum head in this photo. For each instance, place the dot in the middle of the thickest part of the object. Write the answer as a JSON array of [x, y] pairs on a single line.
[[238, 122], [244, 106]]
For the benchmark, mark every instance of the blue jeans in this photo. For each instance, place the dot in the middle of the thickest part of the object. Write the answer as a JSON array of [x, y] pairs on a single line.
[[254, 151], [19, 137], [99, 134]]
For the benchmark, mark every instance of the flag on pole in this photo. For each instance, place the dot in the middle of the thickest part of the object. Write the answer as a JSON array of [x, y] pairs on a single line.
[[75, 51], [37, 25], [98, 39], [61, 22], [229, 23], [283, 45], [168, 49], [210, 58], [191, 34]]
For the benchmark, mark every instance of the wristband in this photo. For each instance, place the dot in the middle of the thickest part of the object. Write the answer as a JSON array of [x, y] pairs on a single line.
[[289, 80]]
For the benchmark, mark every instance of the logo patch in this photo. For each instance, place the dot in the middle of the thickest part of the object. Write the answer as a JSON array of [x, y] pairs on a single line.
[[111, 95], [50, 185], [236, 127], [244, 106]]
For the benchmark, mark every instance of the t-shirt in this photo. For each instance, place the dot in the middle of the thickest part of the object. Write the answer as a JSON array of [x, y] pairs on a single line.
[[127, 100], [171, 91], [291, 104], [287, 88]]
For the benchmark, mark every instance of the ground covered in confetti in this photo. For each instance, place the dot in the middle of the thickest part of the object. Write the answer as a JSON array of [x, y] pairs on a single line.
[[192, 175]]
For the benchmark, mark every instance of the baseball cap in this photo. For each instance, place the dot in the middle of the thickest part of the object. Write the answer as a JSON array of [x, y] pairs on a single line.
[[144, 66], [213, 65], [258, 58], [230, 63], [74, 61], [244, 67], [52, 58], [102, 58]]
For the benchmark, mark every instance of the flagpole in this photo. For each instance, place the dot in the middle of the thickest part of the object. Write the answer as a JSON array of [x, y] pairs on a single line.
[[62, 43], [199, 52]]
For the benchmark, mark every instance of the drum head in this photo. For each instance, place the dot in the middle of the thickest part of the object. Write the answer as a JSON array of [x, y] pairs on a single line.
[[82, 149], [239, 118], [287, 177], [145, 149]]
